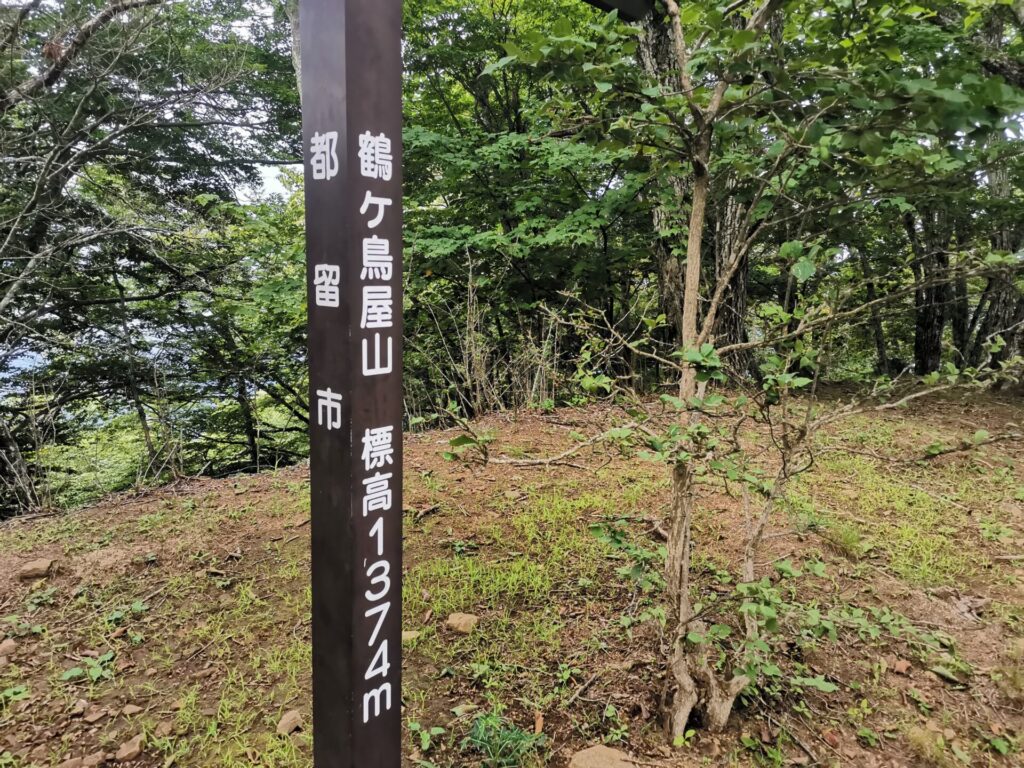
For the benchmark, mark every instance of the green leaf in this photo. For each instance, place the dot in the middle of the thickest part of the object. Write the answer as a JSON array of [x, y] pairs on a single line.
[[804, 270], [870, 144], [946, 674], [1002, 746], [674, 402], [818, 683], [787, 569], [501, 63]]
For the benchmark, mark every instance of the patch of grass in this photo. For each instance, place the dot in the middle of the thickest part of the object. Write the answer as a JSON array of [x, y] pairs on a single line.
[[847, 538], [232, 729], [517, 451], [918, 533], [68, 530], [543, 546], [462, 584], [930, 748], [499, 743]]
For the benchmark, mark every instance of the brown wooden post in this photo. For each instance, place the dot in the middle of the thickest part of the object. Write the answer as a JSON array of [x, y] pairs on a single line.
[[630, 10], [352, 132], [352, 137]]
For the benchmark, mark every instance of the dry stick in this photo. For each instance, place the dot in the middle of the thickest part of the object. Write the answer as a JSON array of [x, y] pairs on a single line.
[[796, 740], [582, 689], [204, 648], [420, 514], [967, 446], [560, 458]]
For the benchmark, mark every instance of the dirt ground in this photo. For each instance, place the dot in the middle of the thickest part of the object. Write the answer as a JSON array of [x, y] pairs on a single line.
[[179, 618]]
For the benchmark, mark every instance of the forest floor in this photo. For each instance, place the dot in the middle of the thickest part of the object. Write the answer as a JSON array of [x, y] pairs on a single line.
[[181, 616]]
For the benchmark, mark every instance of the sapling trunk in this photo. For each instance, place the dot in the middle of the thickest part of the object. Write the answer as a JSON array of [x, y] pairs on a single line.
[[697, 687]]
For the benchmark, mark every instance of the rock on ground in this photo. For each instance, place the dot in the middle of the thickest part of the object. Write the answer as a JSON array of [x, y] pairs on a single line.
[[130, 750], [463, 623], [37, 569], [601, 757], [290, 722]]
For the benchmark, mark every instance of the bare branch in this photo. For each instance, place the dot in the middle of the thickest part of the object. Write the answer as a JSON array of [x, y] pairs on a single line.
[[45, 79]]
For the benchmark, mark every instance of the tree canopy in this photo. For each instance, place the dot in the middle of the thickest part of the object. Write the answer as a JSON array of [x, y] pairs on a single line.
[[584, 199]]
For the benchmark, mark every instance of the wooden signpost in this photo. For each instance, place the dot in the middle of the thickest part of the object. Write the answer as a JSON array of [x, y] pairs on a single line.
[[352, 132], [630, 10]]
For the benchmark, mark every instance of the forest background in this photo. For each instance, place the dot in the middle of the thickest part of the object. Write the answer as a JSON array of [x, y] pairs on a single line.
[[861, 173]]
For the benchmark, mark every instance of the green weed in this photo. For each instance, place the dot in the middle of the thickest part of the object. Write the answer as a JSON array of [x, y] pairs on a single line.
[[498, 743]]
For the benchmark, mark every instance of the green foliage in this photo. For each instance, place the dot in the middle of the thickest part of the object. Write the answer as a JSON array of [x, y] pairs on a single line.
[[10, 695], [95, 669], [544, 158], [425, 736], [646, 566], [498, 743]]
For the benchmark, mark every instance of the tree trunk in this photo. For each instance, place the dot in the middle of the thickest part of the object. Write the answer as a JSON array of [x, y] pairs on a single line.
[[691, 288], [877, 330], [248, 424], [670, 272], [659, 62], [730, 324], [133, 382], [291, 10], [960, 320], [930, 266], [15, 474]]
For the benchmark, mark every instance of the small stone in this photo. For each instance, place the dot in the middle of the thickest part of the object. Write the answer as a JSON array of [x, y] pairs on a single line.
[[290, 722], [79, 707], [39, 753], [3, 662], [94, 760], [8, 647], [601, 757], [130, 710], [463, 623], [37, 569], [901, 667], [410, 636], [72, 762], [94, 715], [130, 750], [164, 729]]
